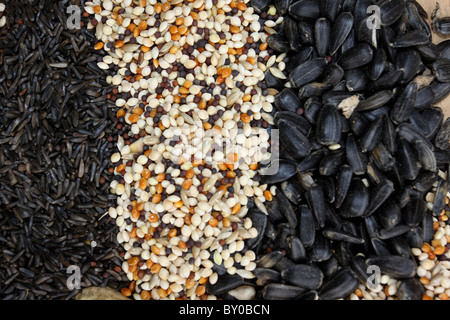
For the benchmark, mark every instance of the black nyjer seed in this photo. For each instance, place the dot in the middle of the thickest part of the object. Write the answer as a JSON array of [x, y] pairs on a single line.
[[56, 115]]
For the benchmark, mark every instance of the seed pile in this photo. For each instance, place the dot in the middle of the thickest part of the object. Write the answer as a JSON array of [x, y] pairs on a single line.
[[56, 128], [433, 263], [150, 131], [434, 256], [361, 146], [192, 130]]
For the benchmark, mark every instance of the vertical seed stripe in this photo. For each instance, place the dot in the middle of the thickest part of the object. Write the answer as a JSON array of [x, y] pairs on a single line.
[[56, 122], [189, 77]]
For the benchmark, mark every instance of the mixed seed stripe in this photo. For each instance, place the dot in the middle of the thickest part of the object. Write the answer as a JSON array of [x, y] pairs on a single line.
[[189, 75]]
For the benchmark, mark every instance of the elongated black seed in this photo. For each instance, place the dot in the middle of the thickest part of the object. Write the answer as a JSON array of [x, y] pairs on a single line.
[[55, 116]]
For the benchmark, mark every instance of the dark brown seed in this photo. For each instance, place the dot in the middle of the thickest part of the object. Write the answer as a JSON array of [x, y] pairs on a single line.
[[306, 33], [373, 135], [341, 236], [294, 140], [442, 26], [356, 79], [279, 171], [410, 289], [307, 226], [411, 39], [317, 203], [225, 284], [377, 100], [278, 43], [322, 34], [404, 104], [443, 136], [391, 11], [379, 195], [407, 161], [305, 9], [303, 276], [344, 179], [260, 5], [297, 252], [282, 6], [433, 119], [356, 200], [439, 199], [441, 69], [265, 276], [291, 31], [307, 72], [321, 250], [425, 156], [394, 266], [393, 233], [389, 215], [275, 291], [329, 126], [341, 285], [408, 61], [356, 57], [331, 163], [287, 100], [382, 158]]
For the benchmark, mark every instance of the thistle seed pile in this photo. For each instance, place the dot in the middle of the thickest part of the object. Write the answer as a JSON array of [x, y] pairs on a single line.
[[56, 128]]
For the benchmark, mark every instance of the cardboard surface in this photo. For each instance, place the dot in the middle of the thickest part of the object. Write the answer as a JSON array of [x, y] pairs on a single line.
[[429, 6]]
